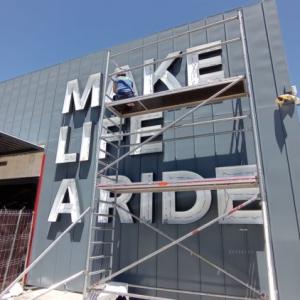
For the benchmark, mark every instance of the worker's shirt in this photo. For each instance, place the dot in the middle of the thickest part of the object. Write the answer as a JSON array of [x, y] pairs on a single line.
[[124, 84]]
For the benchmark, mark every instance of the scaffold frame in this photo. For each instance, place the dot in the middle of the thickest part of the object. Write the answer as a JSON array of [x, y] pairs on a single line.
[[160, 186]]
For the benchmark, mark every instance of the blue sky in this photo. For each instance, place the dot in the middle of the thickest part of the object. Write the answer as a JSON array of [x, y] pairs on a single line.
[[35, 34]]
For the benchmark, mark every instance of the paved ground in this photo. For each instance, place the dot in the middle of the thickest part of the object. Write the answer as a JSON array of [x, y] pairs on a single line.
[[57, 295]]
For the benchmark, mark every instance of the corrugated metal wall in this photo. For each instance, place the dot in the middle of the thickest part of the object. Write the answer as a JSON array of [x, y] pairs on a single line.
[[31, 109]]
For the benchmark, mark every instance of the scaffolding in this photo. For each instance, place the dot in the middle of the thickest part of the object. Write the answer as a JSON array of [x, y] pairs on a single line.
[[194, 97], [101, 252]]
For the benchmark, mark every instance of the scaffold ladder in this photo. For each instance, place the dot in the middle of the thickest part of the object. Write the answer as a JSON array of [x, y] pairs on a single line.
[[101, 239]]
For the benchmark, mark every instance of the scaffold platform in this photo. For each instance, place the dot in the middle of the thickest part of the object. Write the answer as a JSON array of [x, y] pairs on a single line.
[[183, 185], [177, 98]]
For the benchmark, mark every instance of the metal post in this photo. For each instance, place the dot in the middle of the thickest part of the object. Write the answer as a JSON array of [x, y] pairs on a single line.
[[56, 285], [181, 239], [267, 233], [115, 204], [33, 264], [12, 248], [93, 201]]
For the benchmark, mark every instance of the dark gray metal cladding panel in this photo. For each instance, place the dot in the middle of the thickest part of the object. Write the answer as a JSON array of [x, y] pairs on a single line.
[[130, 232], [135, 57], [69, 255], [97, 62], [236, 257], [119, 60], [223, 143], [2, 93], [181, 42], [147, 271], [267, 93], [240, 106], [73, 251], [290, 125], [122, 245], [198, 38], [211, 247], [86, 64], [188, 266], [168, 138], [37, 113], [130, 167], [205, 113], [261, 65], [184, 145], [79, 235], [217, 33], [38, 106], [283, 219], [48, 105], [210, 240], [63, 78], [5, 101], [276, 46], [257, 271], [208, 243], [53, 266], [275, 166], [18, 115], [64, 247], [234, 50], [123, 242], [83, 172], [29, 106], [288, 115], [150, 51], [184, 142], [167, 268], [287, 268], [204, 141], [11, 105], [189, 271], [44, 271]]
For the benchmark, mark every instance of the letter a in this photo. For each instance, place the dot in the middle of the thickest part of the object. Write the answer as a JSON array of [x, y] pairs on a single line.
[[67, 185]]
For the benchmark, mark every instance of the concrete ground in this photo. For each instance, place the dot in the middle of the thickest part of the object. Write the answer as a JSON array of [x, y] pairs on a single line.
[[57, 295]]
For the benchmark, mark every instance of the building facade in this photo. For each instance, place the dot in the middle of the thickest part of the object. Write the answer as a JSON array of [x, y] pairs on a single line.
[[32, 109]]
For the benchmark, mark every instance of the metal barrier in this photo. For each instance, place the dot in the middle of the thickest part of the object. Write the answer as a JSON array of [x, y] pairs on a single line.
[[15, 231]]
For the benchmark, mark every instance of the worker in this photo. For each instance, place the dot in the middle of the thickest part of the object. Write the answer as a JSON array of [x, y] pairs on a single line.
[[122, 86]]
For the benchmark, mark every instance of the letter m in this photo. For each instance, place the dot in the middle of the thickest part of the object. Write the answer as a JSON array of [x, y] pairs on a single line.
[[73, 93]]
